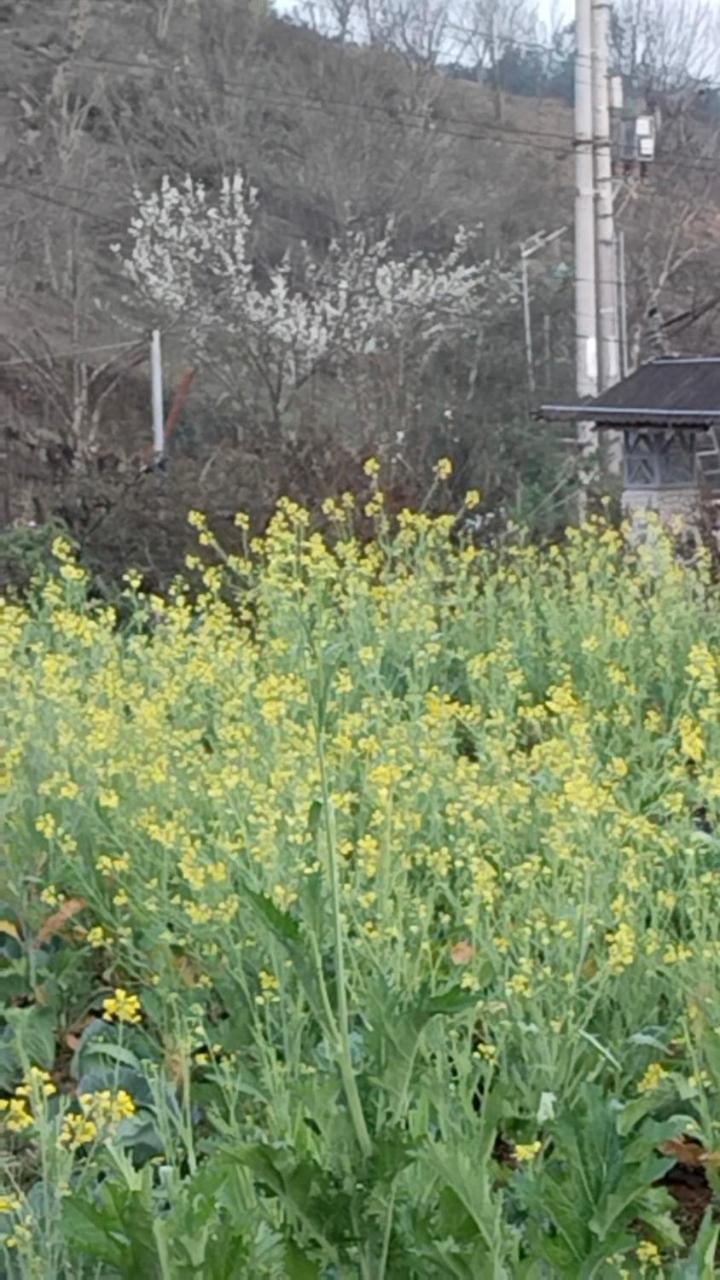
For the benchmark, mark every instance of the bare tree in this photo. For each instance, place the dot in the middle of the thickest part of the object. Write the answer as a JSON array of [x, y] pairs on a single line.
[[491, 26], [334, 19], [665, 45]]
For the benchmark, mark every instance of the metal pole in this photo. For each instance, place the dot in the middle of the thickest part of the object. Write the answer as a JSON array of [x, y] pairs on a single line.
[[526, 321], [496, 69], [609, 344], [157, 396], [540, 240], [623, 303]]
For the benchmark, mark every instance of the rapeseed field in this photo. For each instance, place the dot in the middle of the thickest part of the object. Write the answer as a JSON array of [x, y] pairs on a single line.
[[360, 910]]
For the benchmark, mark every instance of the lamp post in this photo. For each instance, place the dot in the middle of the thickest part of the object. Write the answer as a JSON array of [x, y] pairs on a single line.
[[540, 240]]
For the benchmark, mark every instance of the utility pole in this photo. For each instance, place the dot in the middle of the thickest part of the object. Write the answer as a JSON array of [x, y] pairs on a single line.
[[585, 280], [495, 68], [622, 303], [609, 335], [526, 320], [157, 397]]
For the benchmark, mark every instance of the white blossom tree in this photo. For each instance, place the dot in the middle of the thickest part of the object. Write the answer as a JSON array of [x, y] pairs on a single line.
[[195, 261]]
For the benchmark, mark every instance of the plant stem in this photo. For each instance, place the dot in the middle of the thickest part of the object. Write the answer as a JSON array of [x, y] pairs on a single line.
[[382, 1265], [345, 1055]]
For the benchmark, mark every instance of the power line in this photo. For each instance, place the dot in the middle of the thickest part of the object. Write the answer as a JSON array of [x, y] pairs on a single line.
[[531, 139], [61, 204], [68, 355], [226, 86], [291, 98]]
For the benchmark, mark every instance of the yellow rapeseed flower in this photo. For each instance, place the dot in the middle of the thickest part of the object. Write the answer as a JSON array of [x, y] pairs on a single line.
[[648, 1253], [653, 1078], [526, 1151], [107, 1108], [78, 1131], [15, 1114], [36, 1079], [122, 1006]]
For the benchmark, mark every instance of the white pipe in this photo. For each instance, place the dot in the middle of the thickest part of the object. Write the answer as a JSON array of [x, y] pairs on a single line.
[[157, 396]]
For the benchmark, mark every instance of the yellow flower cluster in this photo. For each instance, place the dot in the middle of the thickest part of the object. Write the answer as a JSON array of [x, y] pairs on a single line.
[[122, 1007], [19, 1112], [653, 1078], [98, 1119], [78, 1131]]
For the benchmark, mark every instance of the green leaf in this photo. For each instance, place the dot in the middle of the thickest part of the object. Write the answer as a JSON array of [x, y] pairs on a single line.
[[619, 1205], [284, 926], [314, 816], [592, 1186], [115, 1052], [397, 1022], [312, 903], [303, 1187], [116, 1228], [393, 1151], [288, 932], [664, 1230], [470, 1210], [700, 1262], [634, 1111], [298, 1266], [652, 1133], [88, 1231], [34, 1033], [456, 999], [9, 1065]]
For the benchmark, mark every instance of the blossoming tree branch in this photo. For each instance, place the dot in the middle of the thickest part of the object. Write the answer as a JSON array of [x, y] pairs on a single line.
[[195, 262]]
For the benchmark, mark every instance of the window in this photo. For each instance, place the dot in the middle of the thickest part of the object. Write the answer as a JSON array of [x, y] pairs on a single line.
[[659, 458]]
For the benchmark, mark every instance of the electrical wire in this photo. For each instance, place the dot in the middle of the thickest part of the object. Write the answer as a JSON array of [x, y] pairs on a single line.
[[399, 116], [61, 204], [68, 355], [290, 98]]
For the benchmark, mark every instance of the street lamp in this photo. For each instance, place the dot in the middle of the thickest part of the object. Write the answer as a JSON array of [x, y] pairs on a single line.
[[540, 240]]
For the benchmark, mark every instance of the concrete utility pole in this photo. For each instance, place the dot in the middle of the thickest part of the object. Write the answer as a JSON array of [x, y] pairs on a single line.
[[609, 345], [607, 297], [585, 281]]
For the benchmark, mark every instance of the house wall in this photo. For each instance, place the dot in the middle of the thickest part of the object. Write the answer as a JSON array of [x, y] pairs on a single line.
[[668, 503]]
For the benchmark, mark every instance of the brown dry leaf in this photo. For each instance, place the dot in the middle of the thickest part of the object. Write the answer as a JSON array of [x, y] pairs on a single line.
[[72, 1041], [711, 1158], [186, 969], [75, 1031], [462, 953], [687, 1151], [59, 918], [7, 926], [176, 1060]]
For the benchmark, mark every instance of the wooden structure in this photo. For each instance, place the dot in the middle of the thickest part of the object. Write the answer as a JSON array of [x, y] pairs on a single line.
[[668, 412]]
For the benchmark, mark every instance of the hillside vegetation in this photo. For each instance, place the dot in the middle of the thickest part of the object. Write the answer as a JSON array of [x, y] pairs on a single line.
[[106, 99]]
